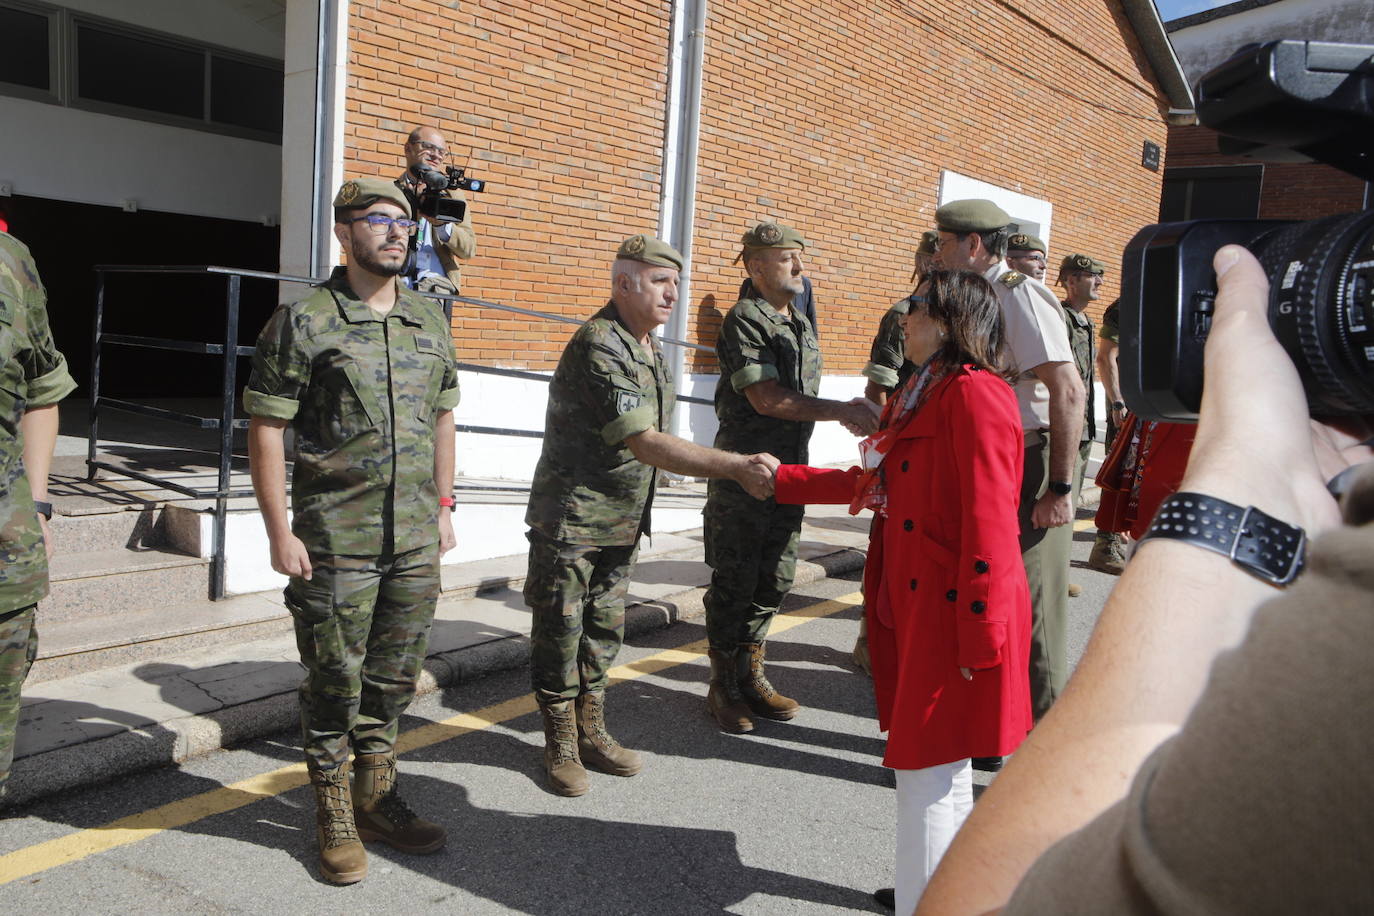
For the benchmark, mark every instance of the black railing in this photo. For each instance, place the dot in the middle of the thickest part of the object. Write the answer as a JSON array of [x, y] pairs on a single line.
[[230, 351]]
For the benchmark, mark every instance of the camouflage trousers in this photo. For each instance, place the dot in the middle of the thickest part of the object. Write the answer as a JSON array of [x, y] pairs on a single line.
[[576, 594], [18, 648], [362, 625], [751, 547]]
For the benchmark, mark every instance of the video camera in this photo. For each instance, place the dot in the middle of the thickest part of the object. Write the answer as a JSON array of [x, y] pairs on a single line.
[[1285, 101], [433, 203]]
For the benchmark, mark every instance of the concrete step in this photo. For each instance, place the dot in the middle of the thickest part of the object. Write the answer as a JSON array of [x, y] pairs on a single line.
[[102, 583], [112, 528], [70, 647]]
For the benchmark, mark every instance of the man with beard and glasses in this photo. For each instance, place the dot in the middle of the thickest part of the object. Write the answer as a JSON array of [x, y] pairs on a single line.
[[363, 372]]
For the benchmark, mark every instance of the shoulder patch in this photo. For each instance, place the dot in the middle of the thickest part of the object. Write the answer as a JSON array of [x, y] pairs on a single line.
[[1012, 279]]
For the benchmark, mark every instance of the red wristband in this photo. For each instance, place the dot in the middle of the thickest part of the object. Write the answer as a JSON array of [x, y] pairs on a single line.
[[447, 502]]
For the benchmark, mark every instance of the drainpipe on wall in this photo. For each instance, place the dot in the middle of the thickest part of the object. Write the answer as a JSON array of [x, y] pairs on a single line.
[[331, 60], [677, 203]]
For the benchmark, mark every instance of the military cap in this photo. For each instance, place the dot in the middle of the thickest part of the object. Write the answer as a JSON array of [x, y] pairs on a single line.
[[1024, 241], [649, 250], [357, 193], [769, 234], [1082, 262], [971, 216]]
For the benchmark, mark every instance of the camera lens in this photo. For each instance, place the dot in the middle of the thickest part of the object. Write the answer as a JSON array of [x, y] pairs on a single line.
[[1321, 277]]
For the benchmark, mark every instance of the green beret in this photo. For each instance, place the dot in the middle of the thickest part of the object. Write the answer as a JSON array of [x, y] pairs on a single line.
[[1023, 241], [649, 250], [359, 193], [971, 216], [1082, 262], [772, 235], [930, 242]]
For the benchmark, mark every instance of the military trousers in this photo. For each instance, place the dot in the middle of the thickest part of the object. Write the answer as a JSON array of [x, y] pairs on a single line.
[[751, 547], [1080, 470], [362, 626], [576, 594], [1045, 552], [18, 649]]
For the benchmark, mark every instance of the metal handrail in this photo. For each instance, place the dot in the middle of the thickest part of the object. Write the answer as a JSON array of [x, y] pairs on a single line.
[[230, 351]]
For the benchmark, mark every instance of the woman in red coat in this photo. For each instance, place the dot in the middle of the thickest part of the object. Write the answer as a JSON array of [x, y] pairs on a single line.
[[947, 604]]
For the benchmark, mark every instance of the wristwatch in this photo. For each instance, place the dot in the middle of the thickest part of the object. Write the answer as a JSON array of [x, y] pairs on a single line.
[[1061, 487], [43, 508], [1118, 405], [449, 503], [1271, 550]]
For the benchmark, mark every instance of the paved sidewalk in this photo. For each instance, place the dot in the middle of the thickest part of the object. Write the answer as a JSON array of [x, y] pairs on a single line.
[[97, 725]]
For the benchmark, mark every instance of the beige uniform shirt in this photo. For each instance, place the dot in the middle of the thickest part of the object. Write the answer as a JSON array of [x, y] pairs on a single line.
[[1035, 334]]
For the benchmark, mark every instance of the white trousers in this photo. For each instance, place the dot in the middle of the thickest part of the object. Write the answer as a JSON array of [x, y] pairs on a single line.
[[931, 806]]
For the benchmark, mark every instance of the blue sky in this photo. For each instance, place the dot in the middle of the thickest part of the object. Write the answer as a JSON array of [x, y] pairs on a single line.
[[1173, 9]]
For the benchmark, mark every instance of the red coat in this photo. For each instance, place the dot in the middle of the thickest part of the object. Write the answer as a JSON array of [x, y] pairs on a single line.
[[944, 585]]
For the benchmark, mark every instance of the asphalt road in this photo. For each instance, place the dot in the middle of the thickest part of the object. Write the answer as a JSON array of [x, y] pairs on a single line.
[[796, 817]]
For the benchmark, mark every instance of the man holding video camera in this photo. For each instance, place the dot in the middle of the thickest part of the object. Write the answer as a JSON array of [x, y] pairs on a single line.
[[437, 249]]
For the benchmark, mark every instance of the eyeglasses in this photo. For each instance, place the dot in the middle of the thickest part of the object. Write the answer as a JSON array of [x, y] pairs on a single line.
[[918, 304], [381, 224], [430, 148]]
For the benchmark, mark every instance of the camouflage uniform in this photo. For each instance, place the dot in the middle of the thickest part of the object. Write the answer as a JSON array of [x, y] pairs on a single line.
[[32, 374], [590, 502], [363, 392], [1080, 328], [888, 366], [751, 545]]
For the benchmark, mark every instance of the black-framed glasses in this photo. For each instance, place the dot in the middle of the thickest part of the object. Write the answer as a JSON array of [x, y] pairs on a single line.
[[917, 304], [381, 224]]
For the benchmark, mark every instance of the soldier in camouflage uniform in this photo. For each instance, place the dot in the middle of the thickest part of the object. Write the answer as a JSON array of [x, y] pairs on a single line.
[[33, 378], [1026, 253], [770, 372], [363, 371], [1081, 277], [1109, 547], [887, 366], [610, 403]]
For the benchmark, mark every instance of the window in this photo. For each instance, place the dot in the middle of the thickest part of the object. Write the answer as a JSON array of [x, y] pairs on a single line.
[[68, 58], [1211, 192], [27, 62]]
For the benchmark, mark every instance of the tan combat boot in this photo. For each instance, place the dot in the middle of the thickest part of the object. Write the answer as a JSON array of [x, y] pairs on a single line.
[[566, 774], [1108, 554], [595, 745], [382, 814], [763, 700], [342, 857], [723, 698]]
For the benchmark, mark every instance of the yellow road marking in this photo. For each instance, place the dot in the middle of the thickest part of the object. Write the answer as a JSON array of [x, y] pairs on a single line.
[[1083, 524], [94, 840]]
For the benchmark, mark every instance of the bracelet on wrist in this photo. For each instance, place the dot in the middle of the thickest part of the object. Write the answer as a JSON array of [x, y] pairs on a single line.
[[449, 503], [1271, 550]]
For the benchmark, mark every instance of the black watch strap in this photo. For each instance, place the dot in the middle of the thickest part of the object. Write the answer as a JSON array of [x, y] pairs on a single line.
[[1266, 548], [43, 508], [1060, 487]]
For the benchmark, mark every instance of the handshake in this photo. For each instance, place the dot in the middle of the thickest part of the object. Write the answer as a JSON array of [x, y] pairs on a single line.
[[755, 473]]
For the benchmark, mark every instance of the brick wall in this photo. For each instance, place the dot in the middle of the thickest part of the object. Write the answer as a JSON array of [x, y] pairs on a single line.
[[839, 118], [559, 104], [833, 115], [1287, 191]]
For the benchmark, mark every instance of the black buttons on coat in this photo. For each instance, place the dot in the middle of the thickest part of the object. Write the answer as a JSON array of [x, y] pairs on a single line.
[[978, 607], [980, 566], [905, 465], [951, 595], [908, 525], [913, 585]]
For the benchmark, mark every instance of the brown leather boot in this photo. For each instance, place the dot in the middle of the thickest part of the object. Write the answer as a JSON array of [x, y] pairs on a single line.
[[561, 761], [382, 814], [595, 745], [342, 857], [723, 698], [763, 700]]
